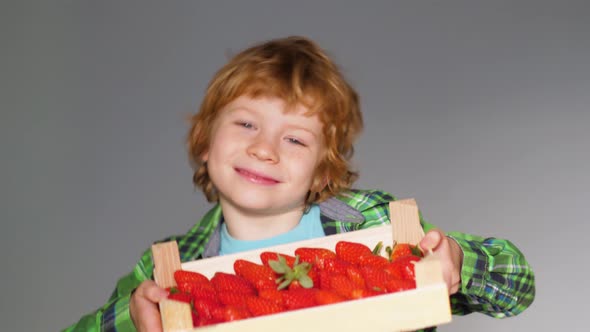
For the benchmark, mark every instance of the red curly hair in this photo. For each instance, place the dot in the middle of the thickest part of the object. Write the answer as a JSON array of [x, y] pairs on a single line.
[[298, 71]]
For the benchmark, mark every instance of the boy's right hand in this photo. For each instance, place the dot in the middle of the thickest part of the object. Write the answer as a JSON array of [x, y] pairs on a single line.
[[143, 306]]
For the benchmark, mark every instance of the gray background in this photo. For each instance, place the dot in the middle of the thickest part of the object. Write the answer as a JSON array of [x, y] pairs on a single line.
[[479, 110]]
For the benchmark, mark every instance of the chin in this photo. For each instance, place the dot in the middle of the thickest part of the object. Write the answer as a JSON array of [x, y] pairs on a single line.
[[252, 201], [257, 202]]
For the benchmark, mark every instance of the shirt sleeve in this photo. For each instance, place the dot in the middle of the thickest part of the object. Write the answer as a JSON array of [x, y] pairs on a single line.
[[496, 280], [114, 315]]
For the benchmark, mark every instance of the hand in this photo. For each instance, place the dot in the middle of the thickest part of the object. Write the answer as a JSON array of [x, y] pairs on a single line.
[[450, 254], [143, 307]]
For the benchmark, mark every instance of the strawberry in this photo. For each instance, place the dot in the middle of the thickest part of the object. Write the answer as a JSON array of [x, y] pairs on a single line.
[[354, 274], [267, 256], [324, 296], [314, 275], [403, 249], [204, 309], [230, 282], [352, 252], [186, 279], [232, 298], [297, 276], [299, 298], [362, 293], [324, 279], [402, 268], [314, 255], [259, 306], [340, 284], [180, 296], [374, 260], [195, 316], [397, 285], [274, 295], [375, 278], [336, 265], [230, 313], [182, 276], [202, 291], [261, 276]]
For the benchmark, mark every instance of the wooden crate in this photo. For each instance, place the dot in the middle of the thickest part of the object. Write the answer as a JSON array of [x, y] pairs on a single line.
[[425, 306]]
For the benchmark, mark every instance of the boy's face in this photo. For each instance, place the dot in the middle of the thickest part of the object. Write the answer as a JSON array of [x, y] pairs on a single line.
[[262, 159]]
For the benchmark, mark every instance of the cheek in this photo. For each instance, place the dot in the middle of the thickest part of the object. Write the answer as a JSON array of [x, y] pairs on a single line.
[[303, 166], [219, 143]]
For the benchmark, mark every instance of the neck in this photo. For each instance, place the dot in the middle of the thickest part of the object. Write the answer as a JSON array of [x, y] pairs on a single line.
[[253, 225]]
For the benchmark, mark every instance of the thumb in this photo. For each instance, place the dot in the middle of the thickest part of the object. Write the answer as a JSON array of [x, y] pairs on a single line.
[[431, 240], [154, 293]]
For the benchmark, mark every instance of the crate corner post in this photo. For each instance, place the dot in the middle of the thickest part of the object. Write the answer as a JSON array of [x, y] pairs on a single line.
[[175, 315]]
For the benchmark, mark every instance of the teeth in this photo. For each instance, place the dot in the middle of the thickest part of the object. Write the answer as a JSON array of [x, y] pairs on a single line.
[[257, 177]]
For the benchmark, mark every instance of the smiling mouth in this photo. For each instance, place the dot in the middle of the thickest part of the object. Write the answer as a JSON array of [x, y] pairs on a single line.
[[255, 178]]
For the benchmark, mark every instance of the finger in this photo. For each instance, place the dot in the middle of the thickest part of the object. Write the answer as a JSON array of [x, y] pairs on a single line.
[[147, 317], [150, 319], [454, 288], [431, 240], [156, 294], [143, 307], [152, 292]]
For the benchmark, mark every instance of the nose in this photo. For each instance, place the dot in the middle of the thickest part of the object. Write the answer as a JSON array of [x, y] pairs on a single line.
[[264, 149]]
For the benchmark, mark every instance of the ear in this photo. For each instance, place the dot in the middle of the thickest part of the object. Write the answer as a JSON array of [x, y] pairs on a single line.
[[319, 183], [205, 156]]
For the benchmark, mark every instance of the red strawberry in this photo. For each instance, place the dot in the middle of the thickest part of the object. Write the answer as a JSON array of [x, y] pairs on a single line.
[[180, 296], [274, 295], [186, 279], [402, 268], [314, 255], [375, 278], [324, 296], [230, 282], [262, 277], [230, 313], [397, 285], [202, 291], [204, 310], [336, 265], [324, 279], [404, 249], [374, 260], [259, 306], [295, 276], [354, 274], [362, 293], [313, 275], [340, 284], [352, 252], [267, 256], [232, 298], [182, 276], [299, 298], [195, 316]]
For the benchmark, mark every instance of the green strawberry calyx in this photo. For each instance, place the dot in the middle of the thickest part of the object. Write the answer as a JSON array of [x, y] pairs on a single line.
[[299, 272]]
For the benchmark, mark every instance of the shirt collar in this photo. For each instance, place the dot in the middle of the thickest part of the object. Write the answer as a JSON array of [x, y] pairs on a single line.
[[331, 210]]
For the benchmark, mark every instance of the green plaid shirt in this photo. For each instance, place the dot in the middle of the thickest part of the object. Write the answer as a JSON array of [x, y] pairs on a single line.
[[496, 280]]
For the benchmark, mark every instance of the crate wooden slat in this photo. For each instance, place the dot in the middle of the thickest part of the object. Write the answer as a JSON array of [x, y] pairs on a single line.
[[425, 306]]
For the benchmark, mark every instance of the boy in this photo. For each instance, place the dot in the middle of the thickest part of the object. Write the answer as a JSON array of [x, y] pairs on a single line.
[[271, 146]]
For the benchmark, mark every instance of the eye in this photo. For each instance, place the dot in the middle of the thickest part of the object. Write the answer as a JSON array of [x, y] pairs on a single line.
[[245, 124], [295, 141]]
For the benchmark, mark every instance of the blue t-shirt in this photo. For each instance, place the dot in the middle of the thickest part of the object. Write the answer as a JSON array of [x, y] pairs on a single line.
[[309, 227]]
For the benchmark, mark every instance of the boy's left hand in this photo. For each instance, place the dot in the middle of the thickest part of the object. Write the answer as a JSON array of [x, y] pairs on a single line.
[[450, 254]]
